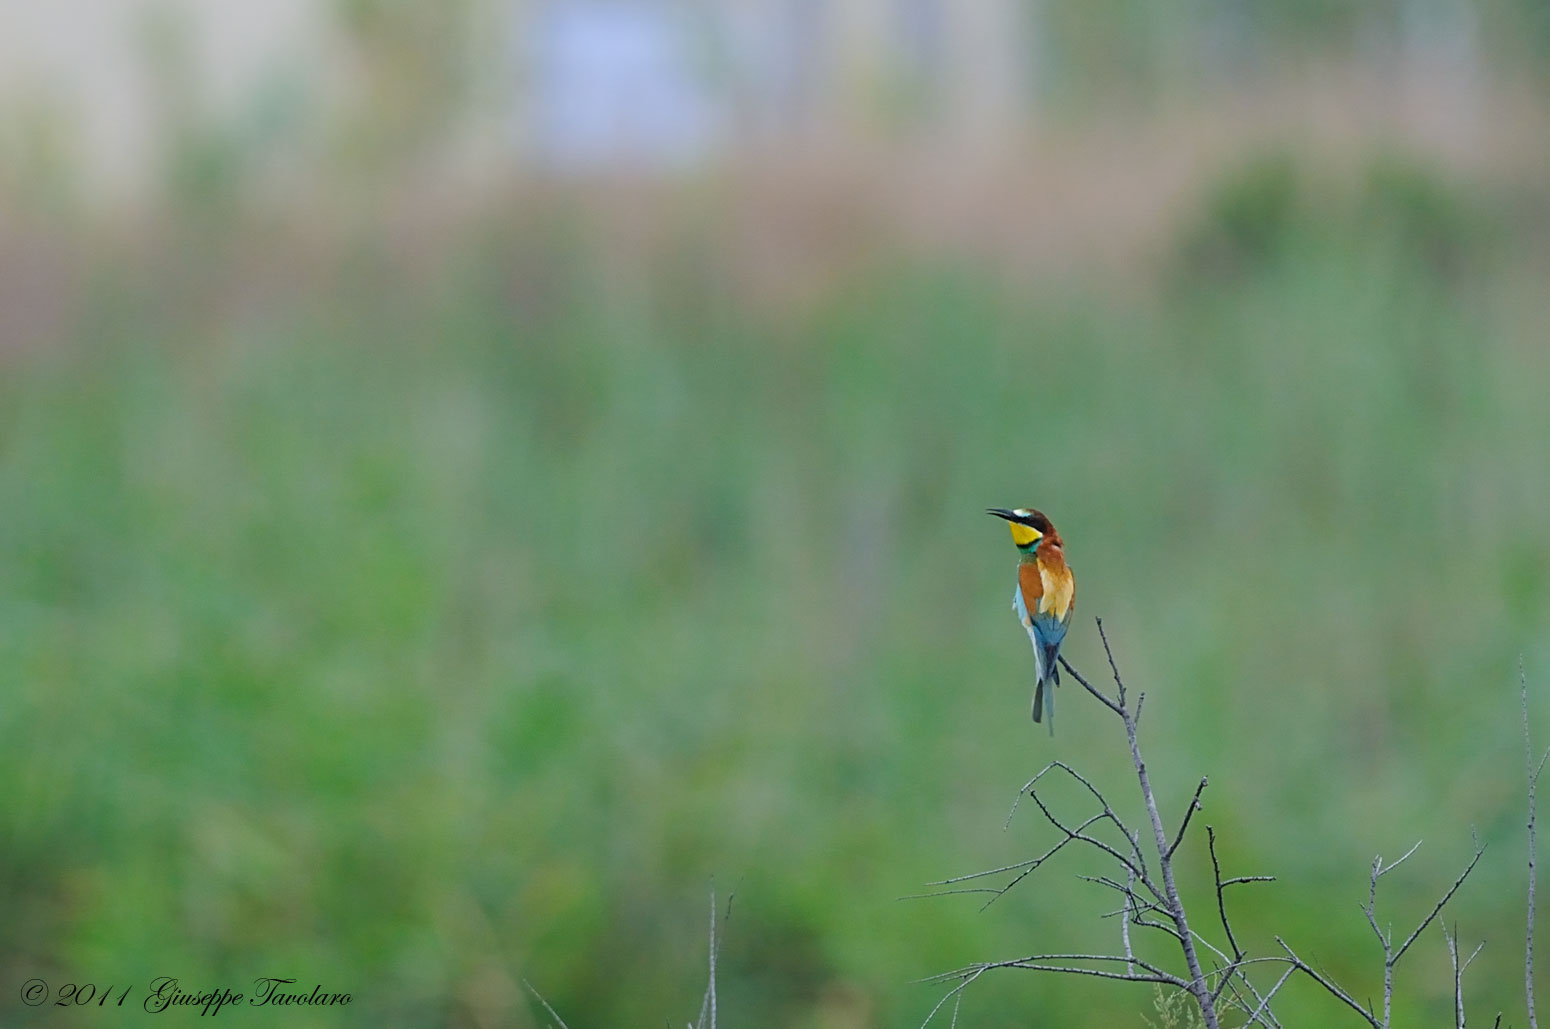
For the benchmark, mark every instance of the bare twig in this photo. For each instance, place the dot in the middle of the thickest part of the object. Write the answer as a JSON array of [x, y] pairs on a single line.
[[1164, 894], [1135, 863], [1386, 869], [1041, 963], [1379, 869], [1533, 782], [1113, 668], [1330, 986], [1124, 922], [1077, 834], [1108, 811], [1264, 1004], [1233, 976], [1391, 954], [1221, 903], [540, 998], [1089, 687], [1174, 905], [1026, 868], [1189, 812], [956, 991], [708, 1005], [707, 1019], [1458, 975], [1156, 977], [1479, 849], [1231, 969], [1151, 901], [1458, 971]]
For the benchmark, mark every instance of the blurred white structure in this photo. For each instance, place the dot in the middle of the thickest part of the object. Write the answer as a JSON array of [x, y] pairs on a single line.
[[584, 82], [615, 81], [596, 84], [659, 81], [91, 65]]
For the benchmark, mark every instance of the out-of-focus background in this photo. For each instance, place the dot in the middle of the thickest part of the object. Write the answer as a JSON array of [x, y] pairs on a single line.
[[471, 472]]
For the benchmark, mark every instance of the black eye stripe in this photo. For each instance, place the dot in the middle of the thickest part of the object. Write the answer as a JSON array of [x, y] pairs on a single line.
[[1028, 517]]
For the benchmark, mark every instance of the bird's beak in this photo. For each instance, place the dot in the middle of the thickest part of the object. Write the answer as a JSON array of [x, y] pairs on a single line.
[[1001, 512]]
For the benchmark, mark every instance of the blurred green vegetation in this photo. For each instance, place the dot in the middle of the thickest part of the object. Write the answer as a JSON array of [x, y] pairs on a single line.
[[1099, 51], [417, 626]]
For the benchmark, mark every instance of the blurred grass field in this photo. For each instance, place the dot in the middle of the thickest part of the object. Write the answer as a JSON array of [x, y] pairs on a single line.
[[415, 627]]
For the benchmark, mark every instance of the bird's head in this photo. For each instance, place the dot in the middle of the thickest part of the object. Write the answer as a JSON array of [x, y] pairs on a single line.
[[1028, 526]]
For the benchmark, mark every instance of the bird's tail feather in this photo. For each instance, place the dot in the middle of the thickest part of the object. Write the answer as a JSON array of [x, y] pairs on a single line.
[[1038, 704]]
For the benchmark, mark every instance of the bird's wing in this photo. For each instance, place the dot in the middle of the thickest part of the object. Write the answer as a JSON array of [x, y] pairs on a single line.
[[1021, 608], [1057, 586], [1030, 583]]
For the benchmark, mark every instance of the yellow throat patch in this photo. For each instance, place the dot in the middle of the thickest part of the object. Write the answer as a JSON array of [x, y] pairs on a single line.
[[1022, 535]]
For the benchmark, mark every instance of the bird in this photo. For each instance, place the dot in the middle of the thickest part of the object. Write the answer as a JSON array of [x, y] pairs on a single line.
[[1044, 598]]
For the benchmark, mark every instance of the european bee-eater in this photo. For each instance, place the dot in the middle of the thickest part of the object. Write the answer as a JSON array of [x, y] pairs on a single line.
[[1044, 597]]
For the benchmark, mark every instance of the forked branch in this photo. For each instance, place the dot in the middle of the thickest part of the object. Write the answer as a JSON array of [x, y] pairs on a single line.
[[1160, 892], [1150, 899]]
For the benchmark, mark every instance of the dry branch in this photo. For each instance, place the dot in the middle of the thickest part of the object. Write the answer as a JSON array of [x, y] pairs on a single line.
[[1162, 895], [1150, 899], [540, 998]]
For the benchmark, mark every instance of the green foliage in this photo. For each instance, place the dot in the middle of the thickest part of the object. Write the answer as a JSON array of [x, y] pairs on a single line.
[[1426, 217], [417, 625], [1269, 211], [1247, 221], [1175, 1009]]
